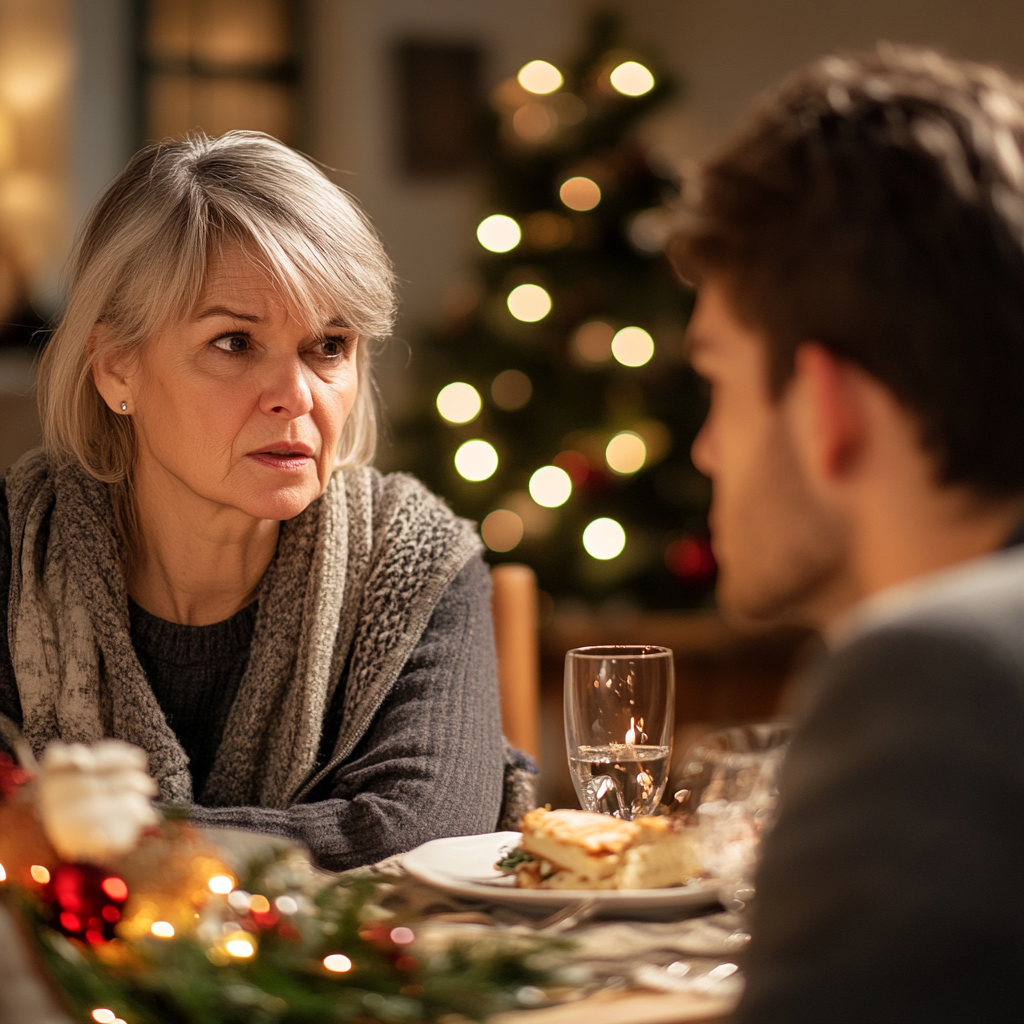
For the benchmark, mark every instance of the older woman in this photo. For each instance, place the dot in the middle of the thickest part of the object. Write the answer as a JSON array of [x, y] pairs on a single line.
[[199, 559]]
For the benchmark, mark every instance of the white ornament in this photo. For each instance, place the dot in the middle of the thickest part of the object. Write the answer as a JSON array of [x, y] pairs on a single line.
[[95, 801]]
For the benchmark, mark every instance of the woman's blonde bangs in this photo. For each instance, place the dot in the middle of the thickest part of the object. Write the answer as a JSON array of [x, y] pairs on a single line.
[[141, 261]]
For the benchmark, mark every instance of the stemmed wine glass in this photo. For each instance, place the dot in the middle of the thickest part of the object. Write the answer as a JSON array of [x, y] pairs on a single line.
[[619, 716]]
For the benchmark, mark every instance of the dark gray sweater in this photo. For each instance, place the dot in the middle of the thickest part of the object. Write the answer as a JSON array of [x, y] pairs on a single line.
[[430, 765]]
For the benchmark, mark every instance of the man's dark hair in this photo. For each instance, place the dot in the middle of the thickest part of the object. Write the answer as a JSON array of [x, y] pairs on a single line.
[[875, 204]]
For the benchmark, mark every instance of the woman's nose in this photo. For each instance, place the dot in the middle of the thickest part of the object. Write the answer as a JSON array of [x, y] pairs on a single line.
[[286, 391], [702, 450]]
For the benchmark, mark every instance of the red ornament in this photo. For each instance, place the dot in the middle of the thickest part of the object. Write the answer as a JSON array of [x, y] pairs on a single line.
[[12, 776], [691, 559], [87, 901]]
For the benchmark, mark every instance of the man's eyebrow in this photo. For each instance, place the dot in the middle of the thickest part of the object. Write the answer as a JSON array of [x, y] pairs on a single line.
[[212, 311]]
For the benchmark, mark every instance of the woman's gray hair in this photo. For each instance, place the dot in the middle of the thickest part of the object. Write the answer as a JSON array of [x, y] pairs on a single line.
[[141, 259]]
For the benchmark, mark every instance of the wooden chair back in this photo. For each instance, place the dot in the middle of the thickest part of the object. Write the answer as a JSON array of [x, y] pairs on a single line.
[[514, 606]]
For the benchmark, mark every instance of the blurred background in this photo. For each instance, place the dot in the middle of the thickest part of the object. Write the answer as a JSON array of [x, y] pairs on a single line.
[[521, 160]]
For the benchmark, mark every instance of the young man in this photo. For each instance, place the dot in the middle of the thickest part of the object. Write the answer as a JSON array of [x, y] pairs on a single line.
[[859, 255]]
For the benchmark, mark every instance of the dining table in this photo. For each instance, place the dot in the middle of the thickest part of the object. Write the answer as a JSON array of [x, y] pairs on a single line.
[[661, 968]]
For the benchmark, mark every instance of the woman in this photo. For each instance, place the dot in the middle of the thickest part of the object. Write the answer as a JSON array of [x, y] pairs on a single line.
[[201, 562]]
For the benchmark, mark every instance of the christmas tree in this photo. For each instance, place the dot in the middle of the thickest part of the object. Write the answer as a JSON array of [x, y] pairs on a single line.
[[557, 407]]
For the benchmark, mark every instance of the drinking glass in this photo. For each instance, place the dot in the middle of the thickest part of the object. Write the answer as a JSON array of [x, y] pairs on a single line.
[[619, 717]]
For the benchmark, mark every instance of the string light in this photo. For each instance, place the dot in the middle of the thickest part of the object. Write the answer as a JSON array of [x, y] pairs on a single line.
[[286, 904], [459, 402], [632, 79], [502, 530], [604, 539], [39, 874], [539, 77], [221, 884], [550, 486], [593, 341], [259, 905], [580, 194], [240, 946], [476, 460], [626, 452], [632, 346], [529, 303], [3, 873], [498, 233], [338, 962], [103, 1016], [162, 929]]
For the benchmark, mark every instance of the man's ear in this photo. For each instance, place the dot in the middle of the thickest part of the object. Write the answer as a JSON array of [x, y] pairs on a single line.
[[111, 371], [829, 415]]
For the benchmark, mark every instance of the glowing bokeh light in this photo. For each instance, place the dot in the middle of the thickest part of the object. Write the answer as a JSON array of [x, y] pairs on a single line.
[[287, 904], [476, 460], [529, 303], [511, 390], [604, 539], [240, 947], [259, 905], [115, 887], [402, 936], [580, 194], [239, 900], [502, 530], [632, 79], [498, 233], [539, 77], [632, 346], [626, 452], [593, 341], [3, 873], [103, 1016], [221, 884], [535, 121], [39, 874], [459, 402], [338, 962], [550, 486], [162, 929]]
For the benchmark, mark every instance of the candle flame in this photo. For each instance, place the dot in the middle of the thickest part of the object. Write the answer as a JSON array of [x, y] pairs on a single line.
[[631, 733]]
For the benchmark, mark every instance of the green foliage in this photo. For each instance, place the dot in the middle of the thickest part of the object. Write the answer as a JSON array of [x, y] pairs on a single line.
[[593, 272], [175, 981]]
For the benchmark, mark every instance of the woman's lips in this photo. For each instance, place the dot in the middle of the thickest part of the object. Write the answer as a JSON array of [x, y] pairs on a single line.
[[289, 461]]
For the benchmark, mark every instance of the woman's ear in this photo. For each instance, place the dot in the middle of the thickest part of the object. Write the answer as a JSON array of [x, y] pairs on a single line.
[[112, 371]]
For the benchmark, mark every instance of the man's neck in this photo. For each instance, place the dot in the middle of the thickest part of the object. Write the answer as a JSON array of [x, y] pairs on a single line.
[[913, 535]]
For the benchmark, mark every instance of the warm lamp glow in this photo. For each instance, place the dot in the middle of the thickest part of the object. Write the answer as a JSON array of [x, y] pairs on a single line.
[[626, 452], [580, 194], [459, 402], [539, 77], [604, 539], [632, 79], [529, 303], [498, 233], [550, 486], [632, 346], [502, 530], [476, 460], [338, 962]]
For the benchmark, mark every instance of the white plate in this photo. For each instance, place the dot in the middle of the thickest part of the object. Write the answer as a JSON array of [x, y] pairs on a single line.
[[464, 866]]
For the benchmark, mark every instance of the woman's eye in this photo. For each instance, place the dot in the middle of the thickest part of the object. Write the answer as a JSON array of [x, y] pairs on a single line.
[[232, 343], [332, 347]]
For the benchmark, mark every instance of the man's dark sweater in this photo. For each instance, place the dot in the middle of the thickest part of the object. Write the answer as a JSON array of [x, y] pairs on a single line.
[[430, 765]]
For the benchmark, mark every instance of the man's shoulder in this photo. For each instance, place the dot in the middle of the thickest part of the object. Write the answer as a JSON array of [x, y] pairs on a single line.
[[976, 609]]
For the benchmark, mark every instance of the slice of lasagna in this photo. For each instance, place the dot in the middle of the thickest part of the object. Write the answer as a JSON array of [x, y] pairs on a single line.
[[580, 850]]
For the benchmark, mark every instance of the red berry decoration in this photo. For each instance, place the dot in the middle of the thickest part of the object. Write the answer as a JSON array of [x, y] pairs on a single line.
[[87, 901], [12, 777]]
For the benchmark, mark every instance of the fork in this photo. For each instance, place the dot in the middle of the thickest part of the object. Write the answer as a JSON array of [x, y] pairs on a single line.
[[569, 916]]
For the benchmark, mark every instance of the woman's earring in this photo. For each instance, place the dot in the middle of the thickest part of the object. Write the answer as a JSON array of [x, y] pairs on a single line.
[[124, 407]]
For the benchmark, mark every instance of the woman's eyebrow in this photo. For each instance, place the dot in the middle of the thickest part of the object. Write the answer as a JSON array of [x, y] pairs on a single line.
[[233, 314]]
